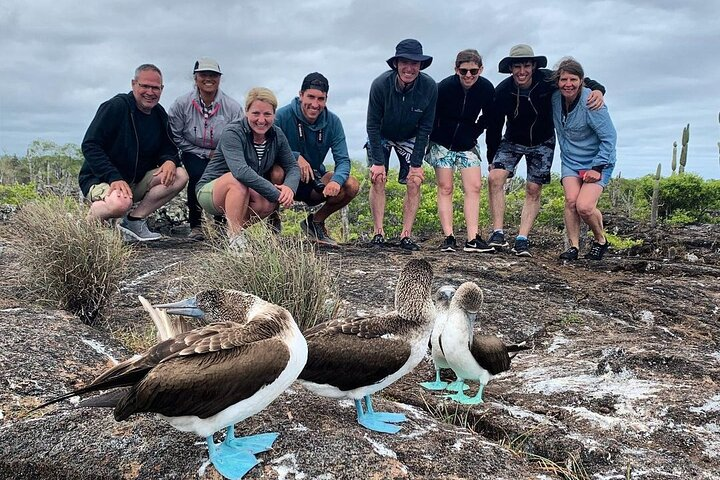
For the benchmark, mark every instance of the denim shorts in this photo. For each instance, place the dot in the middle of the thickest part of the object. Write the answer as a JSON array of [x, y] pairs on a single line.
[[538, 159], [440, 157], [604, 178]]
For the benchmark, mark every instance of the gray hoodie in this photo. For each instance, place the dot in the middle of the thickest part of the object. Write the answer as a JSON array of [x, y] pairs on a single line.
[[235, 153]]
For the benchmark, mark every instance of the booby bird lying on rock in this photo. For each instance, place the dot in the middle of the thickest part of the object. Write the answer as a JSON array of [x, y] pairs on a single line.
[[211, 377], [472, 356], [356, 357], [442, 298]]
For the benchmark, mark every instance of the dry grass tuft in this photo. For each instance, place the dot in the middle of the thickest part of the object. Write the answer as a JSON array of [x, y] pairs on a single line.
[[68, 261]]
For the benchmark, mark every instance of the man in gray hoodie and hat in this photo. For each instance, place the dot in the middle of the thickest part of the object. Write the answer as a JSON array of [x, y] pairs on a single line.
[[401, 111]]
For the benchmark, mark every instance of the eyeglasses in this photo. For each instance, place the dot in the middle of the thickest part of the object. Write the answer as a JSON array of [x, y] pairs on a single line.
[[152, 88], [472, 71]]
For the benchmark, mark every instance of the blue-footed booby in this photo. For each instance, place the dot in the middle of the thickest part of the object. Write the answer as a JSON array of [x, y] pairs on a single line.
[[356, 357], [442, 298], [472, 356], [211, 377]]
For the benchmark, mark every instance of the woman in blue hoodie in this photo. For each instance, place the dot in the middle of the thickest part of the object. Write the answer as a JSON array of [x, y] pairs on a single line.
[[587, 140]]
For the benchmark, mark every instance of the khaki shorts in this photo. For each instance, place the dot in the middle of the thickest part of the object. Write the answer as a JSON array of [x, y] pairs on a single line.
[[205, 198], [100, 190]]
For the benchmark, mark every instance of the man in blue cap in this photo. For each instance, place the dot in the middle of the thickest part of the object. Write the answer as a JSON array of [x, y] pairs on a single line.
[[401, 111]]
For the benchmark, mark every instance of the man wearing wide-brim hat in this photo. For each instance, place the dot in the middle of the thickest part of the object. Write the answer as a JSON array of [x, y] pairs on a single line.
[[401, 111], [522, 105]]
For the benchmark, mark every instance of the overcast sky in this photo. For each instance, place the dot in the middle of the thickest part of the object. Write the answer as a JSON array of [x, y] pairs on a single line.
[[658, 59]]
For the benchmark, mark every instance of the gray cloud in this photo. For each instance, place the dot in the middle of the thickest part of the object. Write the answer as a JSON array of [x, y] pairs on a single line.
[[61, 59]]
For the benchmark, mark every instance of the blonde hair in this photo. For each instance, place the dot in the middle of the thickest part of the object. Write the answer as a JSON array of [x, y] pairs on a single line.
[[262, 94]]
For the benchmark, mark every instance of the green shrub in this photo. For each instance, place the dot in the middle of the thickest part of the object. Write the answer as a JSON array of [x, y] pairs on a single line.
[[18, 194], [283, 270], [70, 262]]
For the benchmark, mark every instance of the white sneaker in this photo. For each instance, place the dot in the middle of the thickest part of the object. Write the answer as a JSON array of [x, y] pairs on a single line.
[[137, 230], [239, 246]]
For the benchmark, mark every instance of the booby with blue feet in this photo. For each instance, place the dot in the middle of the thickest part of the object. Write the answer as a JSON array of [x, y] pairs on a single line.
[[353, 358], [472, 356], [442, 298], [211, 377]]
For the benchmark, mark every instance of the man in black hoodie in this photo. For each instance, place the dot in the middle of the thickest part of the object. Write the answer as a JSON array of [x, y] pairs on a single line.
[[130, 157], [522, 105]]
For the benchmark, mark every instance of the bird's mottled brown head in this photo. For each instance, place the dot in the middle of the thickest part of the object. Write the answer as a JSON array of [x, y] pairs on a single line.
[[468, 297]]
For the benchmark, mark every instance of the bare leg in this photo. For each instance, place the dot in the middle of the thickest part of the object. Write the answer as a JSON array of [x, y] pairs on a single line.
[[571, 186], [496, 184], [587, 209], [531, 208], [444, 177], [159, 194], [472, 183], [410, 205], [333, 204], [377, 206], [112, 206], [232, 198]]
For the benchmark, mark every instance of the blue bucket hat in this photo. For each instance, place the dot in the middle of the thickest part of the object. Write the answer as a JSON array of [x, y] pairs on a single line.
[[410, 49]]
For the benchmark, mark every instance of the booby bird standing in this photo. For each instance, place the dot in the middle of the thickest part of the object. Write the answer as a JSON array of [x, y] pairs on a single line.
[[472, 356], [211, 377], [356, 357], [442, 298]]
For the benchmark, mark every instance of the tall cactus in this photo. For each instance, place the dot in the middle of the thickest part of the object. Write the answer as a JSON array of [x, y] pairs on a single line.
[[683, 152], [655, 198], [673, 165]]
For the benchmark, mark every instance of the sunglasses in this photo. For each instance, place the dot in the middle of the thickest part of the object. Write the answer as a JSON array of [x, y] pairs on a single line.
[[464, 71]]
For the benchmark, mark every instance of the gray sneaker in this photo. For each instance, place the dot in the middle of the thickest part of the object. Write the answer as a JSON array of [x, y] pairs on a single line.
[[238, 245], [317, 231], [522, 248], [137, 230], [497, 240]]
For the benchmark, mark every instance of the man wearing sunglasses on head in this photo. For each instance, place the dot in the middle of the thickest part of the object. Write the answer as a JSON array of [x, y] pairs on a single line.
[[130, 157], [523, 106]]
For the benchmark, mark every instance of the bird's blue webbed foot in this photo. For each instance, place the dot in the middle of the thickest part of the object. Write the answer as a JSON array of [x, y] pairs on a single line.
[[377, 421], [252, 443], [436, 385], [232, 462], [457, 386], [460, 397]]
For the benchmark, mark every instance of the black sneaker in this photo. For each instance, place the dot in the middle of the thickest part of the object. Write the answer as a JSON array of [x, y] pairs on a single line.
[[521, 248], [449, 244], [497, 240], [570, 254], [377, 241], [478, 245], [406, 243], [317, 231], [597, 251]]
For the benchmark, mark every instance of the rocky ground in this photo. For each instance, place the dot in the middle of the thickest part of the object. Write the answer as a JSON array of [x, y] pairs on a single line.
[[622, 381]]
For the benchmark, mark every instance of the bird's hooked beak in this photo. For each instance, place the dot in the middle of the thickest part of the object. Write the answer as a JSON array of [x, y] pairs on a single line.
[[187, 307]]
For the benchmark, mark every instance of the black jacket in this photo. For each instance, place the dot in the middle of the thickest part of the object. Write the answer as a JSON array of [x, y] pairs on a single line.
[[528, 120], [110, 145], [461, 115]]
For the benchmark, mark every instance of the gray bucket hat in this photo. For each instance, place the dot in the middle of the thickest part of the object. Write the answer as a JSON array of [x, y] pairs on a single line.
[[521, 52], [410, 49]]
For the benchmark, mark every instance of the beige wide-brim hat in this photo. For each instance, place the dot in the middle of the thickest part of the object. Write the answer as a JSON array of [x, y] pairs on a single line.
[[518, 53]]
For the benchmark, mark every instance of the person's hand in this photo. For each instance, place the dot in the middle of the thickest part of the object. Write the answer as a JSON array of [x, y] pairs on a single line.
[[416, 172], [595, 100], [591, 176], [166, 173], [306, 171], [378, 174], [331, 189], [122, 187], [287, 197]]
